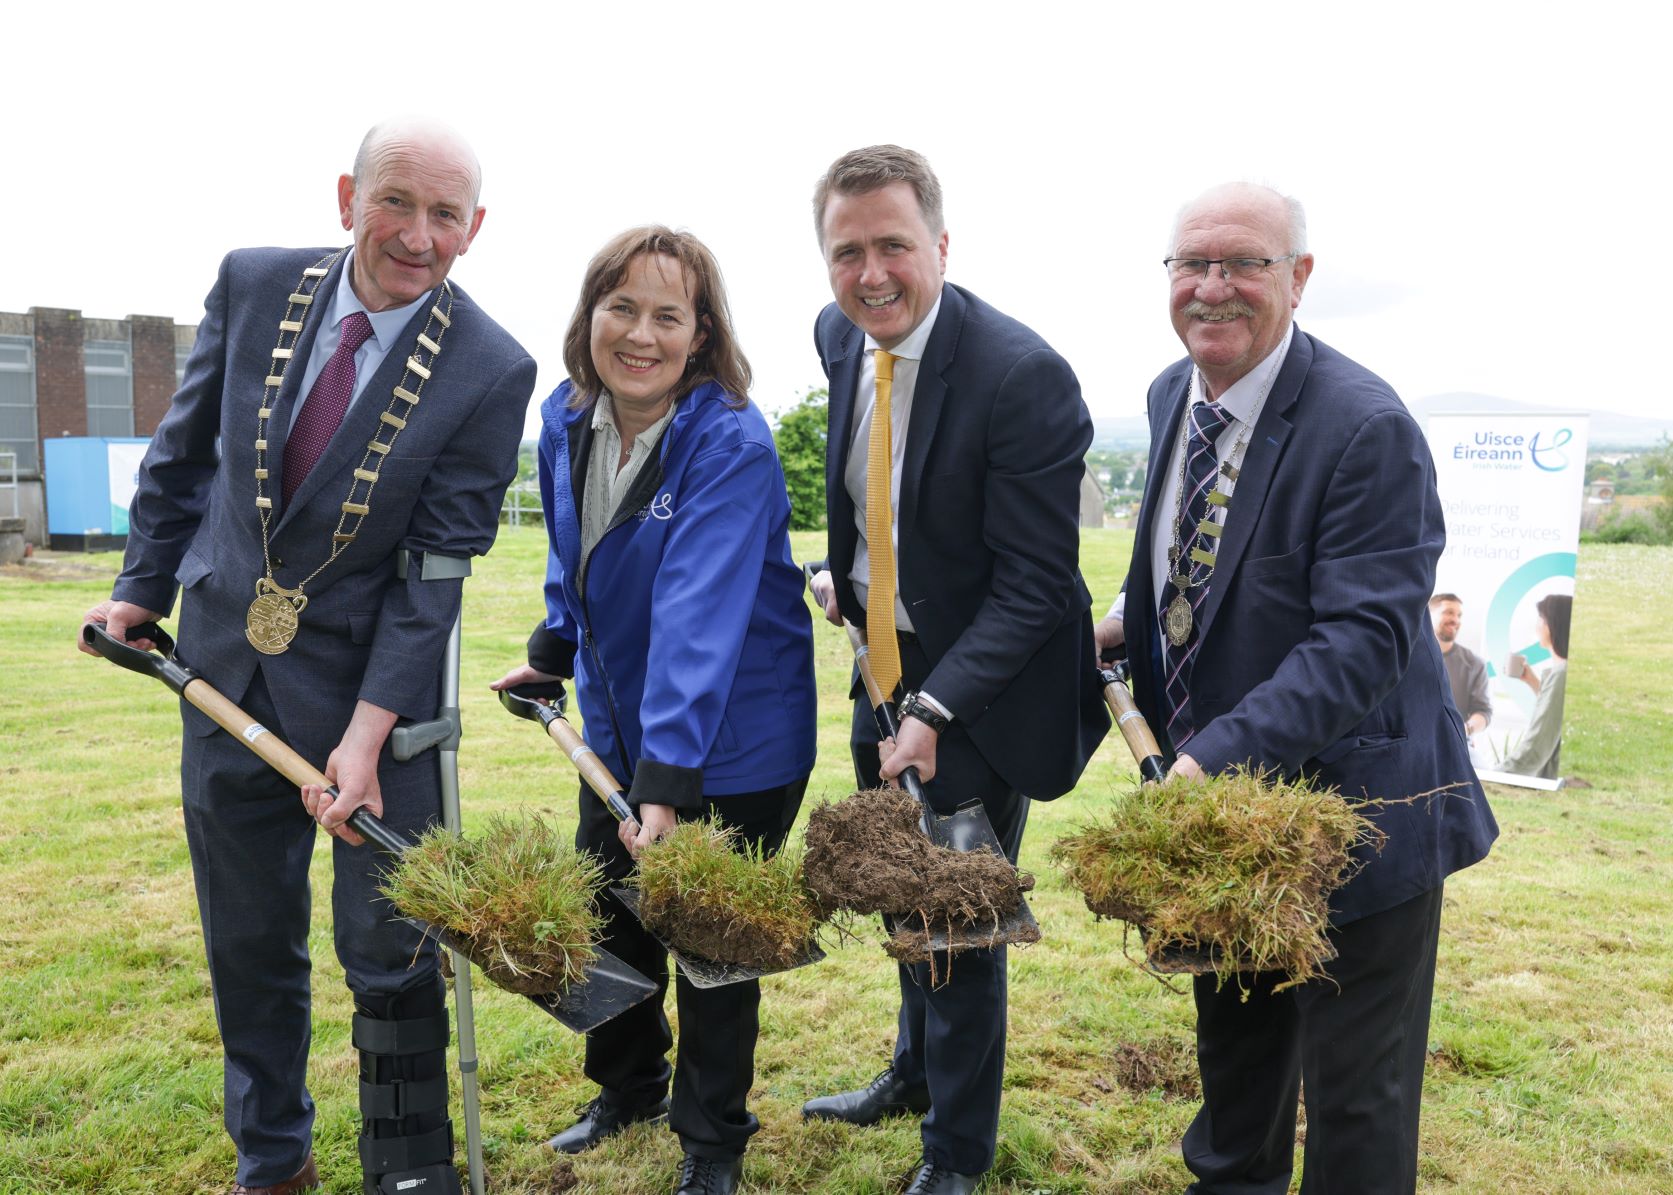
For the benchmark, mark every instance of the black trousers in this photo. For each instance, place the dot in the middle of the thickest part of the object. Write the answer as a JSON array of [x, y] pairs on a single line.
[[715, 1063], [1355, 1042], [952, 1037]]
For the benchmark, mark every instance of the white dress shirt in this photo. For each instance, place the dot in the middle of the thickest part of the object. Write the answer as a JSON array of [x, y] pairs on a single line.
[[1243, 400]]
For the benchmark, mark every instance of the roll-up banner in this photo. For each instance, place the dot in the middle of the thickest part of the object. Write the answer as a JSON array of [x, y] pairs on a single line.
[[1511, 486]]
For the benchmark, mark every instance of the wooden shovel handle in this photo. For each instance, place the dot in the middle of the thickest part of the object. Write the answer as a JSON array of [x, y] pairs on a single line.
[[1134, 728], [591, 767]]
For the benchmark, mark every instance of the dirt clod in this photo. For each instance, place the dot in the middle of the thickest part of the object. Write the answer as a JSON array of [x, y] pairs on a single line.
[[867, 854]]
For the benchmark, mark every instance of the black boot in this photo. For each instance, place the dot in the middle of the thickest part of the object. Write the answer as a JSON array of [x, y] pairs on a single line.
[[406, 1138], [602, 1118], [705, 1176], [886, 1095]]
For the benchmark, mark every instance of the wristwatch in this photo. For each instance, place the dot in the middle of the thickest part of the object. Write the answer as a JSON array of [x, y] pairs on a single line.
[[912, 706]]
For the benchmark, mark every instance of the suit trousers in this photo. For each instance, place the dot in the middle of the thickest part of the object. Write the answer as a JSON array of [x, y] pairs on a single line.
[[715, 1063], [251, 843], [951, 1037], [1355, 1043]]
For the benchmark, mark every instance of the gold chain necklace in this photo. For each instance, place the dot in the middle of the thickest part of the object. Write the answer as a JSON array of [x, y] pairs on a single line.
[[273, 618]]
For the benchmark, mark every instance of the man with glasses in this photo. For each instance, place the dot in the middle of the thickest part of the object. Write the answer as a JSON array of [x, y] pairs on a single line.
[[1276, 616]]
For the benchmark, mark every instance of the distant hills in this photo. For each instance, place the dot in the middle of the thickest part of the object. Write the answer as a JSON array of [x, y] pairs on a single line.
[[1608, 429]]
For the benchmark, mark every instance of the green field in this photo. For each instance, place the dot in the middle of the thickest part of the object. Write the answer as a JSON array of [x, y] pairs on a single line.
[[1552, 1040]]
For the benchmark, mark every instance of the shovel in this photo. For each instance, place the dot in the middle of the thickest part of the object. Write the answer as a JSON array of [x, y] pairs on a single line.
[[965, 829], [1171, 960], [522, 701], [1133, 726], [610, 987]]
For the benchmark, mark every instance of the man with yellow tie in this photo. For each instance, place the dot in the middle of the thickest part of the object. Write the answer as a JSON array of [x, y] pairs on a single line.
[[956, 440]]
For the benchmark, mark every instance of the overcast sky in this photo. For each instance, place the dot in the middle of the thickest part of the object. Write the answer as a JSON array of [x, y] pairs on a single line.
[[1478, 177]]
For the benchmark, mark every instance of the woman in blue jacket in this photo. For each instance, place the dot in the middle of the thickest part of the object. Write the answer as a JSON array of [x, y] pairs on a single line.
[[673, 601]]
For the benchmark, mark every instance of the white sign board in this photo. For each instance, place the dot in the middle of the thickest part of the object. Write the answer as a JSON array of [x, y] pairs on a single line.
[[1511, 487]]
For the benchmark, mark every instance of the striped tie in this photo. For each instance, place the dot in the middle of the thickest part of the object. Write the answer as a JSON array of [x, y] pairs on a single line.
[[1201, 466]]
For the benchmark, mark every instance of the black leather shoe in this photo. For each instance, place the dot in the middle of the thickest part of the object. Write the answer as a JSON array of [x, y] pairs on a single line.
[[705, 1176], [932, 1179], [601, 1119], [885, 1095]]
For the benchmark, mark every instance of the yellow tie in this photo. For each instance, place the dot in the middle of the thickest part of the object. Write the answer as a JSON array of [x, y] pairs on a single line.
[[880, 597]]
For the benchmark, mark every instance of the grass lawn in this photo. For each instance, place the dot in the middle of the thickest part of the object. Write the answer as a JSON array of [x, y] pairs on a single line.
[[1552, 1039]]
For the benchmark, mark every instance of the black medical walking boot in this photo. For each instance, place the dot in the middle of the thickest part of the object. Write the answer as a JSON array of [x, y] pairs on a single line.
[[406, 1138]]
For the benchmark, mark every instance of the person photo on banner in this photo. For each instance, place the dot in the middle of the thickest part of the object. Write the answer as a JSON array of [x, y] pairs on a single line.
[[1536, 752]]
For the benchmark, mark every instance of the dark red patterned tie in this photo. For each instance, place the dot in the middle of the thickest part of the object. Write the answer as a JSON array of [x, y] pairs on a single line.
[[327, 401]]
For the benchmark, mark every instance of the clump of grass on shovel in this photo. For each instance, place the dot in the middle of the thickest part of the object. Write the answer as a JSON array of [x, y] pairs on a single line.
[[1225, 874], [725, 901], [519, 896]]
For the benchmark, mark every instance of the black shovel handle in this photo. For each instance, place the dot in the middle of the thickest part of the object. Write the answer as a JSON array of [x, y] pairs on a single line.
[[522, 700], [228, 716], [882, 707]]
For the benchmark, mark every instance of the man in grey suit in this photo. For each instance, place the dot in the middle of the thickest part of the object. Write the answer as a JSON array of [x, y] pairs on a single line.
[[343, 412]]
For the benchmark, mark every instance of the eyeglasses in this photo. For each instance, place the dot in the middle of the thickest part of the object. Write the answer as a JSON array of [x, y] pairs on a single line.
[[1181, 268]]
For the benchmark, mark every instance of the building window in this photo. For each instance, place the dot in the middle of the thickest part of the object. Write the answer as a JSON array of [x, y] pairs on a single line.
[[182, 354], [110, 388], [17, 405]]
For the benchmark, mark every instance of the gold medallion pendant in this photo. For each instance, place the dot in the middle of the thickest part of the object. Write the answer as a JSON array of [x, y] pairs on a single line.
[[1178, 620], [271, 622]]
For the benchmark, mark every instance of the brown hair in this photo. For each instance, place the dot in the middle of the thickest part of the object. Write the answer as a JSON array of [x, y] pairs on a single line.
[[719, 359], [860, 171]]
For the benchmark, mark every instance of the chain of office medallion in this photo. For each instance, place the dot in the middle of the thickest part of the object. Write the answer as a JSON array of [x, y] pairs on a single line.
[[406, 393]]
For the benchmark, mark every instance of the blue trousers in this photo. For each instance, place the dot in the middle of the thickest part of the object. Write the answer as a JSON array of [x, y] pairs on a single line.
[[951, 1037], [251, 842]]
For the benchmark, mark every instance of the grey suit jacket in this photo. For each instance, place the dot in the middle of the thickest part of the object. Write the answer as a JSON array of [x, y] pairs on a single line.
[[194, 524]]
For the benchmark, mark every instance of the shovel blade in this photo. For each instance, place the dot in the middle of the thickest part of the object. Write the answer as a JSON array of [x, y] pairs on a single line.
[[610, 988], [967, 829], [706, 973]]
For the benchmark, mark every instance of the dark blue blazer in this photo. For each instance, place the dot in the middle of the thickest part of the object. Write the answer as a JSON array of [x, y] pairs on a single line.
[[364, 633], [1317, 657], [989, 539]]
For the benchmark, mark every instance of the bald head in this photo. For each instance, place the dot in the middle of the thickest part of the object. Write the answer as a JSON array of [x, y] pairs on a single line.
[[411, 204], [1278, 208], [421, 137]]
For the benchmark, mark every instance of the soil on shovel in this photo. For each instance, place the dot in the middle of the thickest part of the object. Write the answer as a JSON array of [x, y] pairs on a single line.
[[867, 854], [718, 935], [715, 900]]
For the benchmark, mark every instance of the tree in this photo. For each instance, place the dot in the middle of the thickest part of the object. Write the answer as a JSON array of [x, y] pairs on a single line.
[[800, 436]]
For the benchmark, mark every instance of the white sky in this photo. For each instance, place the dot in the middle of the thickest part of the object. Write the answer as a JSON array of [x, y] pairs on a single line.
[[1467, 167]]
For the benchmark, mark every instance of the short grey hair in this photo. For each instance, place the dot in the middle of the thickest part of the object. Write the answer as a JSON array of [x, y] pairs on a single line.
[[386, 133], [1295, 214]]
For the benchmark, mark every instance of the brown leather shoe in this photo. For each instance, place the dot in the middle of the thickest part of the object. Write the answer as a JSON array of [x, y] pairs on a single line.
[[305, 1179]]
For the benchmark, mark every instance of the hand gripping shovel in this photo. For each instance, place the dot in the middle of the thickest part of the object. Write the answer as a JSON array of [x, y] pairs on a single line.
[[703, 973], [611, 986], [965, 829]]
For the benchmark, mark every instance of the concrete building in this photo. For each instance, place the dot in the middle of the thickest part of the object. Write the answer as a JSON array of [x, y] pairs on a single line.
[[65, 375]]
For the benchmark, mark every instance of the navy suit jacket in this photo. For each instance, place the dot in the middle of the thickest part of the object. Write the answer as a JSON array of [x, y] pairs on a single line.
[[1316, 655], [989, 539], [193, 524]]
